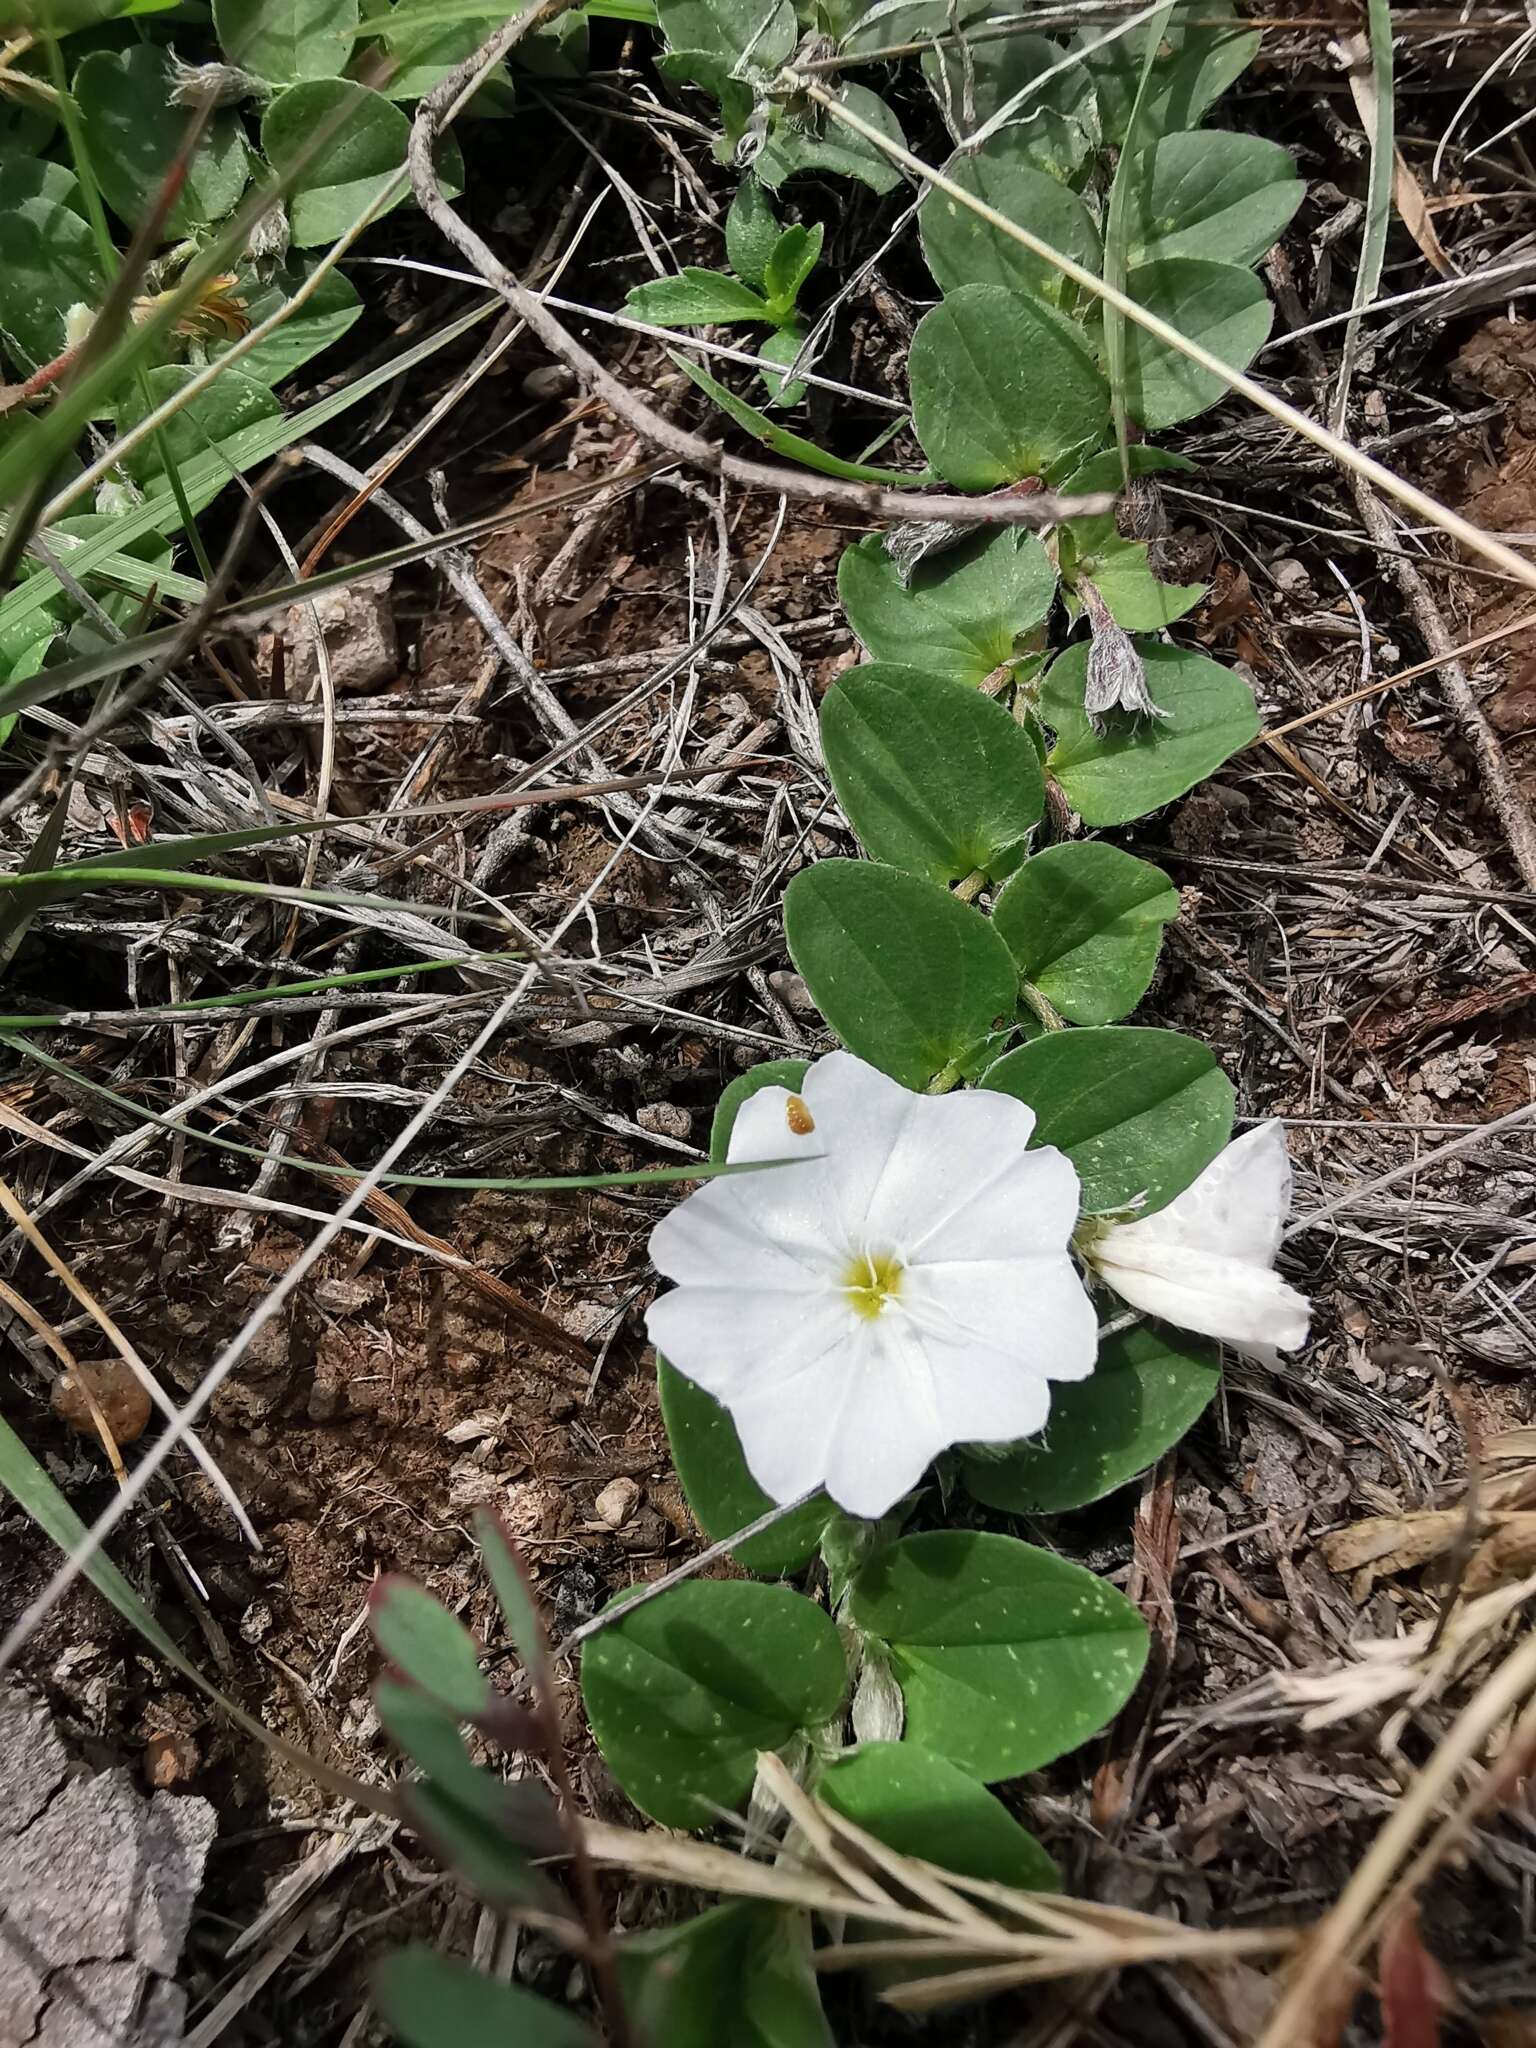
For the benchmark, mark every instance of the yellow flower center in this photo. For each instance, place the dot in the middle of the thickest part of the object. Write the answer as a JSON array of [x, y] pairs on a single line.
[[872, 1281]]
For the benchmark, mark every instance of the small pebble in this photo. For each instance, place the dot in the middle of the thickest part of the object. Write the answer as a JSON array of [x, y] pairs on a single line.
[[617, 1502], [118, 1392], [549, 380], [667, 1119], [169, 1759]]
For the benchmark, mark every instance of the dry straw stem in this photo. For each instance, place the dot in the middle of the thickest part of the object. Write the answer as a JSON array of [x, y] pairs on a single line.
[[830, 1866], [1342, 1935], [1365, 466]]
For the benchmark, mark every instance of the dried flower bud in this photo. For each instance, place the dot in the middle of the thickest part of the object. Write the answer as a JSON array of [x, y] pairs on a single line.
[[879, 1711], [78, 322], [1117, 676], [269, 237], [749, 146], [222, 84], [916, 539]]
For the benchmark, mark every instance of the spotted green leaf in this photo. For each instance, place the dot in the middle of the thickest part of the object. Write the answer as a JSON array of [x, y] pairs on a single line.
[[1007, 1656], [1149, 1387], [683, 1693], [1138, 1112], [920, 1804]]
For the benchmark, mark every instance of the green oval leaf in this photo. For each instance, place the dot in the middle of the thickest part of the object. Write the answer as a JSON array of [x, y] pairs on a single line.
[[1137, 765], [739, 1974], [286, 40], [1226, 198], [432, 2002], [1138, 1112], [683, 1694], [906, 975], [48, 259], [752, 233], [1007, 1656], [933, 777], [1055, 125], [1138, 599], [963, 612], [365, 146], [962, 248], [922, 1805], [1002, 388], [1224, 308], [1084, 924], [420, 1637], [136, 134], [1149, 1387], [1194, 66]]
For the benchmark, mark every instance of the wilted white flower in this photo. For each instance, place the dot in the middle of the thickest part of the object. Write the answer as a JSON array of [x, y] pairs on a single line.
[[1117, 675], [1206, 1261], [904, 1285]]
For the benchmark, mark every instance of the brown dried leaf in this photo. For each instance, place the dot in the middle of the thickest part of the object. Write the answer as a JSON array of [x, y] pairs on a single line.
[[1414, 1988]]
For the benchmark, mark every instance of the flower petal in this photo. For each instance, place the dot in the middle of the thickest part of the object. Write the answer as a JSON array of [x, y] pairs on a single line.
[[907, 1166], [1237, 1207], [747, 1332], [1197, 1289]]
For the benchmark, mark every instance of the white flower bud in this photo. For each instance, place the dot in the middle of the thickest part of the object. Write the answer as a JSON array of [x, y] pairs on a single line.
[[879, 1711]]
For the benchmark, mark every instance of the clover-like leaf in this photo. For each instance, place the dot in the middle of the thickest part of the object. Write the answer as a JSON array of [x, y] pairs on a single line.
[[1007, 1656], [1138, 598], [962, 248], [1149, 1387], [696, 298], [137, 132], [907, 976], [362, 154], [1226, 198], [283, 41], [683, 1693], [920, 1804], [962, 614], [1003, 387], [1138, 1112], [739, 1973], [1219, 305], [832, 147], [1137, 765], [934, 777], [1084, 923]]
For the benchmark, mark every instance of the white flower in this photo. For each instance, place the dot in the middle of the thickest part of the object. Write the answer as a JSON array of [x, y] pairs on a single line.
[[905, 1285], [1206, 1261]]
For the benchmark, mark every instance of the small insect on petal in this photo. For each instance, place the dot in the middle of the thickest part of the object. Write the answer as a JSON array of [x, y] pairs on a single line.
[[798, 1117]]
